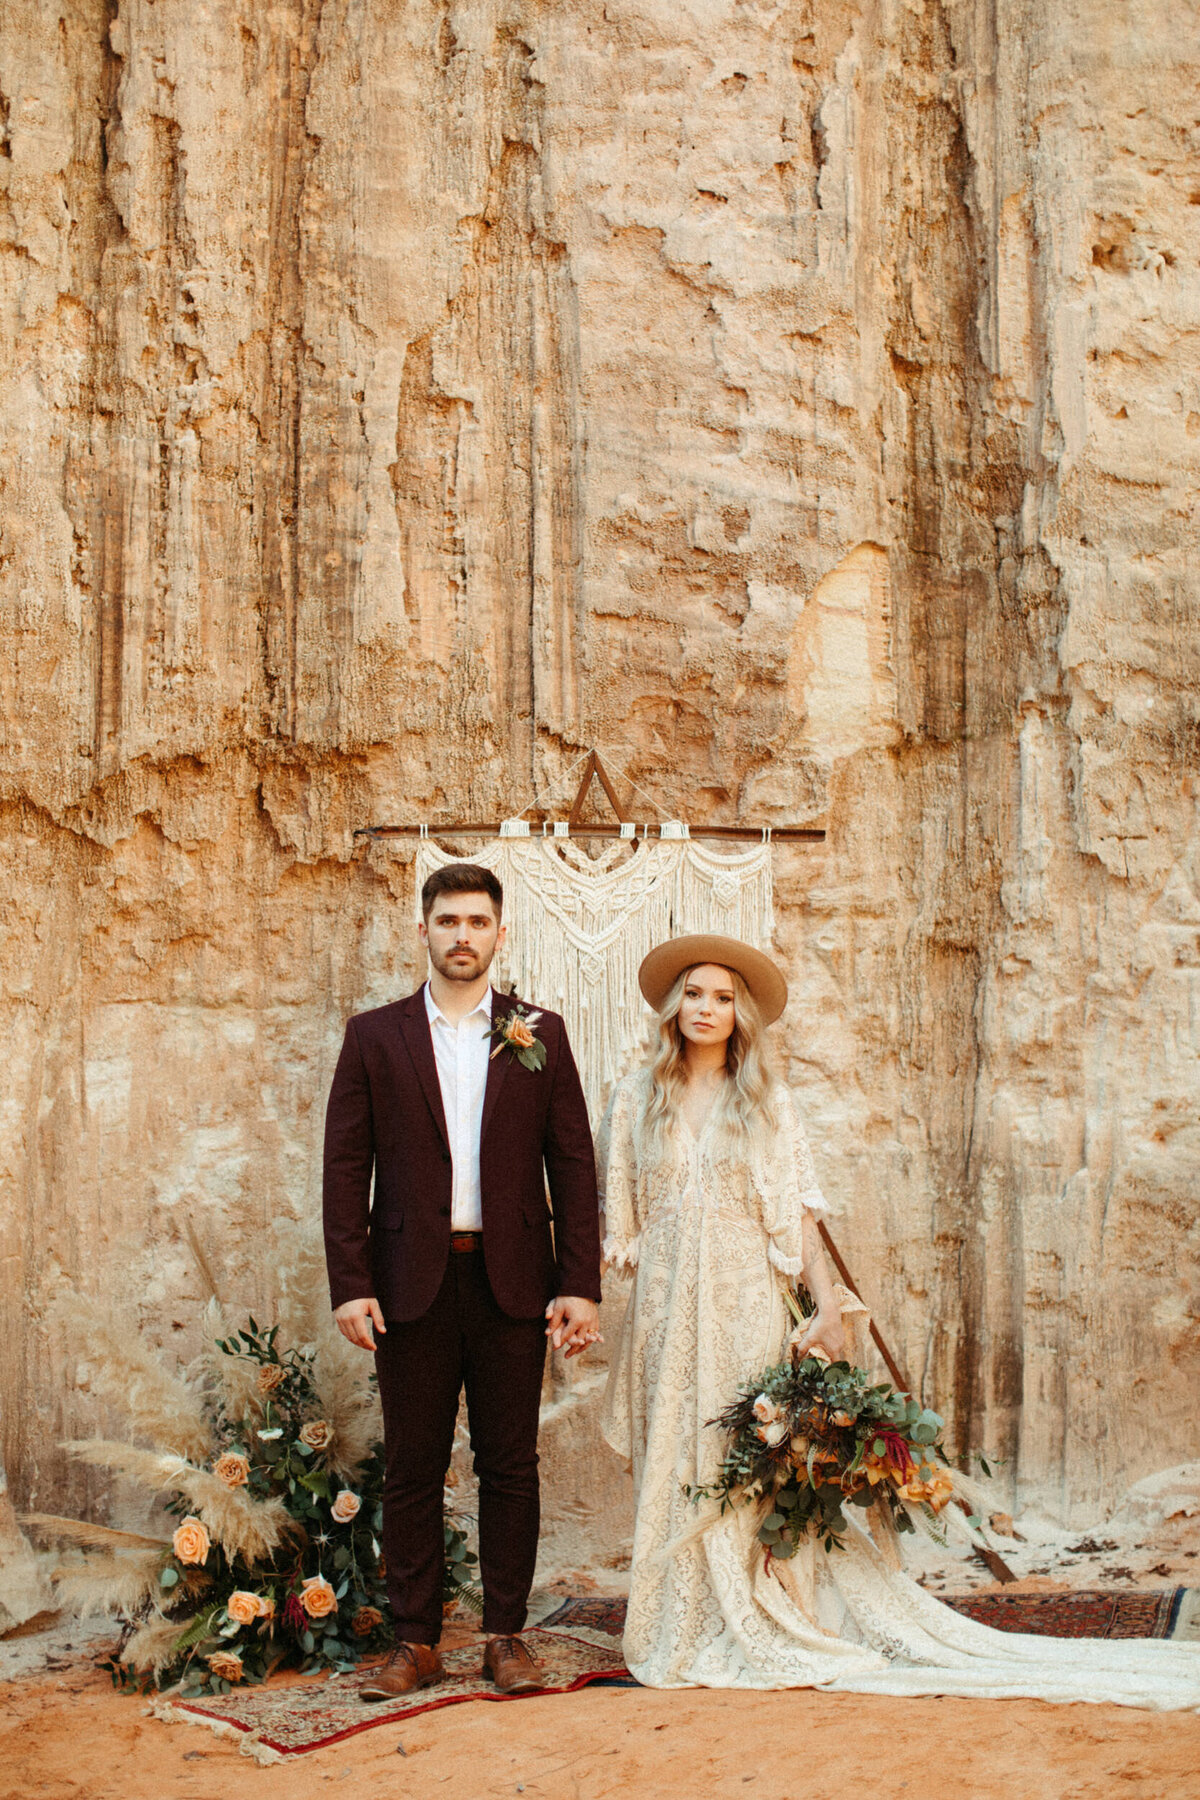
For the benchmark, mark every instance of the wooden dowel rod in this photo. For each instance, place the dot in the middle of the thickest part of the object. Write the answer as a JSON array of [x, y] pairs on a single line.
[[991, 1559], [739, 834], [893, 1367]]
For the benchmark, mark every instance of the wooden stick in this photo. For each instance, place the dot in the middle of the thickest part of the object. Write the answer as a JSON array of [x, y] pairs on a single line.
[[991, 1559], [734, 834]]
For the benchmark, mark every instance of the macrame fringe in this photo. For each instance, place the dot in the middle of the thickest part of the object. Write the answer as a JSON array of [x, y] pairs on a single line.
[[248, 1742], [579, 927]]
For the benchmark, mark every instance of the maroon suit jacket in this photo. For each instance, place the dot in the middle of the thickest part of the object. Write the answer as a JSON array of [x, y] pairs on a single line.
[[385, 1117]]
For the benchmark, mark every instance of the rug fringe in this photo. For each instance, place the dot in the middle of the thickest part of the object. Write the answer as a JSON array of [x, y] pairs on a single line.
[[248, 1742]]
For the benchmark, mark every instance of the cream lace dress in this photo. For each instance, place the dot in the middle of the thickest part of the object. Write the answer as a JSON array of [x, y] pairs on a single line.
[[711, 1242]]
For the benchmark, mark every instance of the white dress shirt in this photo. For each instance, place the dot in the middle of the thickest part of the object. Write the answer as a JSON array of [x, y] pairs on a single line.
[[462, 1052]]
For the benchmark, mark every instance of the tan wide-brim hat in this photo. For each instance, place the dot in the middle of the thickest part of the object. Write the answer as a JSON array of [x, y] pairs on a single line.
[[667, 962]]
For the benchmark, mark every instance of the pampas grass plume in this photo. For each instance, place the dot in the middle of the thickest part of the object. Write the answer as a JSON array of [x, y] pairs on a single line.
[[160, 1406], [151, 1648], [241, 1525], [116, 1582]]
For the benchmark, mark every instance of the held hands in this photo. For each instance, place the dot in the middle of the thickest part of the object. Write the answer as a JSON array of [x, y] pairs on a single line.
[[358, 1320], [823, 1331], [573, 1323]]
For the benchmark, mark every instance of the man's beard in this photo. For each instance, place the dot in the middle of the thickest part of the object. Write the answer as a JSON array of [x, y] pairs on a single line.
[[467, 967]]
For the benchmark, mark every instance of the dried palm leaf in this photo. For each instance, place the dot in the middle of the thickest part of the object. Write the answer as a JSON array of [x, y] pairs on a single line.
[[160, 1406], [95, 1537]]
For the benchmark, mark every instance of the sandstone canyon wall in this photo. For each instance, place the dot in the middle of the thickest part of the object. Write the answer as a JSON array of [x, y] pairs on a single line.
[[399, 396]]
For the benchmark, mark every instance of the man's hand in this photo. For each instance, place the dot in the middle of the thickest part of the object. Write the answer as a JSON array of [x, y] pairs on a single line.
[[358, 1320], [574, 1324]]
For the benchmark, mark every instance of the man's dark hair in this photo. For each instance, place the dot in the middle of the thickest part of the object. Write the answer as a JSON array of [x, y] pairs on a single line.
[[462, 878]]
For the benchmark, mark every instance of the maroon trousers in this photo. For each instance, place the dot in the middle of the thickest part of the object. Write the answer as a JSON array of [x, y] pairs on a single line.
[[464, 1340]]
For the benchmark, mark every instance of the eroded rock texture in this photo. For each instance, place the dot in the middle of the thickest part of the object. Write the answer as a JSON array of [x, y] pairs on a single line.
[[803, 400]]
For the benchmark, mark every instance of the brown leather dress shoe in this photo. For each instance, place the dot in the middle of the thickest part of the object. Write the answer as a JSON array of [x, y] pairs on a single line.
[[512, 1666], [405, 1668]]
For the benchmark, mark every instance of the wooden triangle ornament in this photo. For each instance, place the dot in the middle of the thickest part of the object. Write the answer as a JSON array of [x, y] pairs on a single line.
[[591, 769]]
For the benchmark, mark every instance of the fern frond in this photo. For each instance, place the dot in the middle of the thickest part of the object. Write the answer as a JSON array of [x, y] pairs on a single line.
[[197, 1631], [472, 1598]]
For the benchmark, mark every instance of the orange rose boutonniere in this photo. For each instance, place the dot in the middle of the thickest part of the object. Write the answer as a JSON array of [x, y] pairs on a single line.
[[514, 1032]]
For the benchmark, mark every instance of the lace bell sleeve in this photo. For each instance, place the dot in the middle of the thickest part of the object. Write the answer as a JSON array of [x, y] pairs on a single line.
[[792, 1193], [616, 1172]]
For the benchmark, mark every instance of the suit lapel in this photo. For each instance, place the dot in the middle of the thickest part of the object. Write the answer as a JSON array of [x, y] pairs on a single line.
[[414, 1028], [498, 1063]]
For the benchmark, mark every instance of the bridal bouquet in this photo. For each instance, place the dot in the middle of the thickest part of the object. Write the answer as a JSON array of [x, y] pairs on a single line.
[[269, 1459], [810, 1438]]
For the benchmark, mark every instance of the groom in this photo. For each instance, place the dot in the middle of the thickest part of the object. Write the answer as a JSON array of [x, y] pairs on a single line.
[[451, 1273]]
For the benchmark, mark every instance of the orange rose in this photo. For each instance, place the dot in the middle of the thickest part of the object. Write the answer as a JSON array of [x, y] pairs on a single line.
[[233, 1468], [243, 1608], [365, 1620], [346, 1507], [317, 1597], [517, 1032], [270, 1376], [191, 1542], [266, 1607], [317, 1434], [226, 1664]]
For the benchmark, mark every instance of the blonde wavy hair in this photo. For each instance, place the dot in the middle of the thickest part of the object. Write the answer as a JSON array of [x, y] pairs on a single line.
[[744, 1113]]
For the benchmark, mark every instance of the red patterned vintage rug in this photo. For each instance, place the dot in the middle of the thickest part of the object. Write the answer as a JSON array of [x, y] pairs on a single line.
[[282, 1719], [579, 1644], [1089, 1613]]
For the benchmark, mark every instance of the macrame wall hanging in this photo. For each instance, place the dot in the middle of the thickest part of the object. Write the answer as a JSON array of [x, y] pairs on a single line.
[[579, 926]]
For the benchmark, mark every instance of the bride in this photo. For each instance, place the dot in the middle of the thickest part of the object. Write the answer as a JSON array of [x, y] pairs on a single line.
[[711, 1201]]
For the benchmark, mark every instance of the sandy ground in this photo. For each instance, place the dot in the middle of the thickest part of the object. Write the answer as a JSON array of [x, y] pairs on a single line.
[[69, 1737], [66, 1735]]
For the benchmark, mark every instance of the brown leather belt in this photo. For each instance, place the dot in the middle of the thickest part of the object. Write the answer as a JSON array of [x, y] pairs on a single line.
[[463, 1242]]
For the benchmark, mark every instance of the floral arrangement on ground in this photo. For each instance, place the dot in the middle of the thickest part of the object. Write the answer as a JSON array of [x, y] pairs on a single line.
[[269, 1456], [810, 1437]]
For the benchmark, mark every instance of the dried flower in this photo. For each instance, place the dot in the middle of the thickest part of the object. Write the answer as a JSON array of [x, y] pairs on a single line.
[[317, 1434], [233, 1468], [226, 1665], [317, 1597], [346, 1507], [191, 1542], [365, 1620], [270, 1376]]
